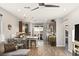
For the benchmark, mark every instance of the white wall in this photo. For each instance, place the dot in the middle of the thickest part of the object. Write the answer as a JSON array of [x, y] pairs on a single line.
[[44, 31], [8, 18], [1, 27], [30, 28], [72, 19], [59, 33]]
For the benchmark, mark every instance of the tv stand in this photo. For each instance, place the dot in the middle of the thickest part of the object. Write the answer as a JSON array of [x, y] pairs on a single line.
[[76, 48]]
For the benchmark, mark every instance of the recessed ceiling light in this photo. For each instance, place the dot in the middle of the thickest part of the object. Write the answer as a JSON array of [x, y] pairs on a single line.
[[24, 15], [64, 9], [19, 10]]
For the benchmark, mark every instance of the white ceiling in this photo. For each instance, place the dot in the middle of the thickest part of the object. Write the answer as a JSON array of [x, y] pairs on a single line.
[[43, 14]]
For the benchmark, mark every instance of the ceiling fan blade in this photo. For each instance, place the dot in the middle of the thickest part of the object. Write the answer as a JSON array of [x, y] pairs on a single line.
[[43, 4], [27, 7], [51, 6], [35, 8]]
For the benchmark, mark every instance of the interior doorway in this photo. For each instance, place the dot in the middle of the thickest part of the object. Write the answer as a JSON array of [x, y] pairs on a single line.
[[38, 31]]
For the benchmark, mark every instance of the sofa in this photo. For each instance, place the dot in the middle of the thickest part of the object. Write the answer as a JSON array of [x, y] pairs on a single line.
[[1, 48], [10, 49]]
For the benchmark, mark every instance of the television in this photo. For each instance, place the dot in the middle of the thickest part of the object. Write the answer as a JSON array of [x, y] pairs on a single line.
[[77, 32]]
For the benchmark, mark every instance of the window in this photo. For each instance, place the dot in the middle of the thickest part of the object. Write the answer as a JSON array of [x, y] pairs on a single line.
[[38, 28]]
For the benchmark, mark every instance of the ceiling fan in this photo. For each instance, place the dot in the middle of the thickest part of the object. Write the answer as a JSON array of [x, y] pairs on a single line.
[[44, 5]]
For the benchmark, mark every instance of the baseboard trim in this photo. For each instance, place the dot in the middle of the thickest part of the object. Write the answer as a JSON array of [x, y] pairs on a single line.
[[60, 45]]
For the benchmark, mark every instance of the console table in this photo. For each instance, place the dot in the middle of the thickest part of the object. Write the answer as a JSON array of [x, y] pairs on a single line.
[[30, 38]]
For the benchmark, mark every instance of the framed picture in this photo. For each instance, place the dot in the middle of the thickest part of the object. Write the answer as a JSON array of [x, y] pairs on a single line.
[[9, 27]]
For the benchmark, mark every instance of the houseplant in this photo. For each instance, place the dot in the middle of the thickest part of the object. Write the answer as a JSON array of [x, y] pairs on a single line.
[[52, 40]]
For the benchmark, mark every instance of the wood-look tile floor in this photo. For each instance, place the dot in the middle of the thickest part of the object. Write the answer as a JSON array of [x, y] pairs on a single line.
[[44, 49]]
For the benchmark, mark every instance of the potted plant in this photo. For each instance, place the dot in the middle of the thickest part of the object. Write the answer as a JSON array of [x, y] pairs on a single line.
[[52, 40]]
